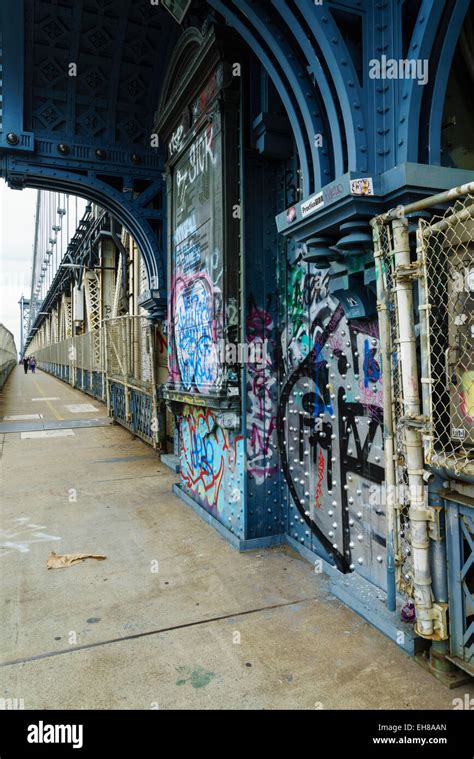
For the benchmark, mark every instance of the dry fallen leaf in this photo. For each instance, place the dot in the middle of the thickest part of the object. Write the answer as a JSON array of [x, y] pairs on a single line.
[[56, 561]]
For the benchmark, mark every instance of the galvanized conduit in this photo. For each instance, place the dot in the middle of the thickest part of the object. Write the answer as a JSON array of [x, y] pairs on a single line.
[[420, 541], [421, 205]]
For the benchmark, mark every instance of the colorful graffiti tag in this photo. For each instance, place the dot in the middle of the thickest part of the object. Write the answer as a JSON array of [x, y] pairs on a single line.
[[330, 423], [211, 463], [195, 332], [262, 453], [196, 312]]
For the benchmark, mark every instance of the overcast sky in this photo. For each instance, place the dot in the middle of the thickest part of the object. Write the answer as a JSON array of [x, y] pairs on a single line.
[[17, 228]]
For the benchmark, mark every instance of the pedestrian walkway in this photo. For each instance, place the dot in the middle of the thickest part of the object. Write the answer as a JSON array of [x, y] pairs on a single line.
[[174, 617]]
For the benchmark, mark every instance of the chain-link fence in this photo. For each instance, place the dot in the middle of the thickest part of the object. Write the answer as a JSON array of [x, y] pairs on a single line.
[[446, 257], [427, 286], [129, 352]]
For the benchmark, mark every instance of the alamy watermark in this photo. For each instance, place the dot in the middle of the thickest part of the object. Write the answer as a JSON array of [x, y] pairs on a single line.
[[405, 68], [242, 354]]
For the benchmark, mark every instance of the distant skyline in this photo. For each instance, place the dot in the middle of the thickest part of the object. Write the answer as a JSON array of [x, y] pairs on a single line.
[[17, 229]]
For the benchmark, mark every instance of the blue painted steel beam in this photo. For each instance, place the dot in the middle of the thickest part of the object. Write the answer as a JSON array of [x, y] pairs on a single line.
[[456, 611], [73, 58], [126, 209], [382, 35], [12, 27], [443, 71], [115, 70], [269, 65], [298, 83], [339, 63], [320, 83], [421, 46]]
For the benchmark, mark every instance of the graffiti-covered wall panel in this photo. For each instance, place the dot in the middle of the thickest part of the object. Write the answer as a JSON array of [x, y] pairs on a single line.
[[330, 424], [196, 312], [212, 465], [266, 499]]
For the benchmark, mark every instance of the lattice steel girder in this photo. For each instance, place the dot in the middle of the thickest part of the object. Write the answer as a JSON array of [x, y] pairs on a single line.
[[89, 133], [319, 55], [144, 224]]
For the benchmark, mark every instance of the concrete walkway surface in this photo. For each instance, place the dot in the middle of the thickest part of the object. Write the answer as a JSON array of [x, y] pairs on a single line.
[[174, 617]]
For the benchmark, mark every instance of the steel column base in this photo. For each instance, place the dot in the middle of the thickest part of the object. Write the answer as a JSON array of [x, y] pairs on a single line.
[[451, 680]]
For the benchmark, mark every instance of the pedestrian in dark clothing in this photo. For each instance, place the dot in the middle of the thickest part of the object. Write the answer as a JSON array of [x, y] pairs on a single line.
[[33, 364], [25, 365]]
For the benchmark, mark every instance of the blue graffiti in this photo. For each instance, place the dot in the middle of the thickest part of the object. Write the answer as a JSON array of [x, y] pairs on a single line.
[[371, 367], [322, 402], [195, 344]]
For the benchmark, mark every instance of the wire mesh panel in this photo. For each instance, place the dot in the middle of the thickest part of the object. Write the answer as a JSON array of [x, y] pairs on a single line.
[[141, 350], [129, 354], [114, 361], [446, 255], [118, 359]]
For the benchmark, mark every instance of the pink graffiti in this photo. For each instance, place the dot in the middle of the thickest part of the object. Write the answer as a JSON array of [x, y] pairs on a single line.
[[262, 420]]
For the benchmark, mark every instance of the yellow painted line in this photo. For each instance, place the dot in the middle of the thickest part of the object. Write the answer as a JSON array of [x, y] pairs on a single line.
[[48, 403]]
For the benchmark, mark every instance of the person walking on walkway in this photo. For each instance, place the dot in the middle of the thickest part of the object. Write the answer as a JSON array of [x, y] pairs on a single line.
[[25, 365], [33, 365]]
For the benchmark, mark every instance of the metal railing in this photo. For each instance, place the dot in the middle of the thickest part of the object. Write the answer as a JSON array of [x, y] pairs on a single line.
[[8, 354], [115, 364]]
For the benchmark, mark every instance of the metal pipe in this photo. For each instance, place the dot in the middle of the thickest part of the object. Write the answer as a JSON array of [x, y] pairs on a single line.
[[438, 560], [438, 543], [413, 442], [154, 385], [466, 214], [243, 310], [420, 205], [385, 350]]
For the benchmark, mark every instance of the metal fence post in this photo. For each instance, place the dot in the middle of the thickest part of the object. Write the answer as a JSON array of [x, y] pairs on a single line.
[[412, 436]]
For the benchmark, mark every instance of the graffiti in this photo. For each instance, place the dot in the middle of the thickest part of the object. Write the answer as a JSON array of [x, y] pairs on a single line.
[[188, 249], [196, 319], [211, 464], [162, 343], [306, 292], [195, 332], [261, 388], [330, 421], [201, 156], [319, 486], [176, 142], [371, 367]]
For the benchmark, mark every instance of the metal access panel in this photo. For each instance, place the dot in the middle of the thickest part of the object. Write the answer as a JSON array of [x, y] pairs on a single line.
[[460, 352]]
